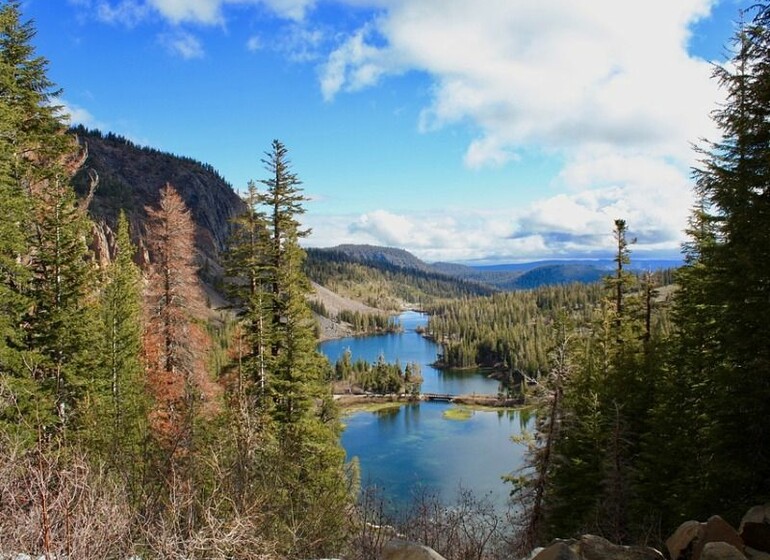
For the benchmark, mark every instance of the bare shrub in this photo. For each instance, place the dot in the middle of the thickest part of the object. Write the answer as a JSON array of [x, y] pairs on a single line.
[[57, 505], [371, 526], [470, 528], [205, 521]]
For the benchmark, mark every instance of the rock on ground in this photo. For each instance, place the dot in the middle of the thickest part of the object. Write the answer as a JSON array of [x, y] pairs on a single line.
[[397, 549]]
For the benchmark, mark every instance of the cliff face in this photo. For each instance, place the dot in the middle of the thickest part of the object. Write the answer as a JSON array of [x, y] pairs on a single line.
[[130, 178]]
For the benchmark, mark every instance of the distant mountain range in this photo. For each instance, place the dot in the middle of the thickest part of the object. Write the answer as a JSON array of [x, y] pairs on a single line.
[[131, 177], [514, 276]]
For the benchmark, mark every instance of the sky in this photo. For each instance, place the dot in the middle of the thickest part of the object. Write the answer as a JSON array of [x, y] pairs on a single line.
[[476, 131]]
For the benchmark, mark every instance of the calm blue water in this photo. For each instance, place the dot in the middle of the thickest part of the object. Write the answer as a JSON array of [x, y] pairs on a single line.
[[415, 446], [411, 347]]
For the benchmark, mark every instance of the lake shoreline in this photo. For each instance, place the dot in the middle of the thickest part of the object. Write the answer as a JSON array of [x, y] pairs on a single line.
[[347, 400]]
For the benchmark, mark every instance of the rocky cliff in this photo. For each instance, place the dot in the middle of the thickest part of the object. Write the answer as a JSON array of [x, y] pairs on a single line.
[[130, 178]]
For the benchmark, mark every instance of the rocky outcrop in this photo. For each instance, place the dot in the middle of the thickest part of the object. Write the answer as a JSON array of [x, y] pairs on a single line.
[[721, 551], [755, 528], [130, 179], [591, 547], [716, 539], [397, 549], [689, 540]]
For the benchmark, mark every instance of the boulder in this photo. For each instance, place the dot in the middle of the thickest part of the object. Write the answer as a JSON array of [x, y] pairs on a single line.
[[721, 551], [591, 547], [753, 554], [716, 529], [680, 544], [397, 549], [755, 528], [558, 550]]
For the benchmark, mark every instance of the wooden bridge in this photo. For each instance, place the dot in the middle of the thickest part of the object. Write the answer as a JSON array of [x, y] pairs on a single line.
[[441, 397]]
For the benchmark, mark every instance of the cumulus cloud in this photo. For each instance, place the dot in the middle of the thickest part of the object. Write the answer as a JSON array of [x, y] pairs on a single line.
[[561, 74], [652, 195], [430, 235], [355, 64], [586, 82]]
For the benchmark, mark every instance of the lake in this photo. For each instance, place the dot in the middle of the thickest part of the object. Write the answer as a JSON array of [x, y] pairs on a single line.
[[415, 445]]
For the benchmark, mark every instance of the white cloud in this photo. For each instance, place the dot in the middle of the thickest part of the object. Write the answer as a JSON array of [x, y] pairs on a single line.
[[354, 65], [204, 12], [301, 42], [78, 115], [183, 44], [654, 197], [196, 11], [606, 86], [560, 74]]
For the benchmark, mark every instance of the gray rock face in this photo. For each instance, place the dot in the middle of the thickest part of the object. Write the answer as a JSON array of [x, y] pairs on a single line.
[[556, 551], [591, 547], [721, 551], [680, 544], [130, 179], [397, 549], [755, 528]]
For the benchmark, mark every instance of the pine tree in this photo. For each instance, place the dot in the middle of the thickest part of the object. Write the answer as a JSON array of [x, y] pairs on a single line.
[[295, 360], [724, 306], [298, 425], [172, 341], [119, 397], [247, 266], [606, 413], [62, 323], [35, 157], [541, 459]]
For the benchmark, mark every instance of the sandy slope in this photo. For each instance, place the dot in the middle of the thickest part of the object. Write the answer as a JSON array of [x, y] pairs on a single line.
[[335, 303]]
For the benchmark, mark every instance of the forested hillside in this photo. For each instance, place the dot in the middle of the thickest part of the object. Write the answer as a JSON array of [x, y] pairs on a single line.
[[385, 283], [130, 178], [137, 422], [451, 280]]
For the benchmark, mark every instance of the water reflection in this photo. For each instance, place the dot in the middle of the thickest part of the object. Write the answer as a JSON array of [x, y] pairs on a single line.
[[402, 449], [409, 346], [417, 446]]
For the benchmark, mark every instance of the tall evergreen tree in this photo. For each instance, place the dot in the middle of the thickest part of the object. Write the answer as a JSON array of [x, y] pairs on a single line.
[[724, 307], [247, 265], [300, 454], [62, 321], [119, 401], [34, 152]]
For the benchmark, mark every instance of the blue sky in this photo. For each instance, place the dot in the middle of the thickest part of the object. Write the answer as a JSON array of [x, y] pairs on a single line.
[[461, 130]]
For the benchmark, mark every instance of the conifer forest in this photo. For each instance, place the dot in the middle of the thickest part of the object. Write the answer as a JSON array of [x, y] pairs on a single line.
[[158, 402]]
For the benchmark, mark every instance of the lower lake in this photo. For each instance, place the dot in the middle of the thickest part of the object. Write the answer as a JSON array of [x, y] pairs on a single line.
[[417, 446]]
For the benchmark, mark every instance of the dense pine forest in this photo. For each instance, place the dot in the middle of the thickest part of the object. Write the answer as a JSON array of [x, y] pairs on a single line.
[[384, 284], [137, 421], [116, 438]]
